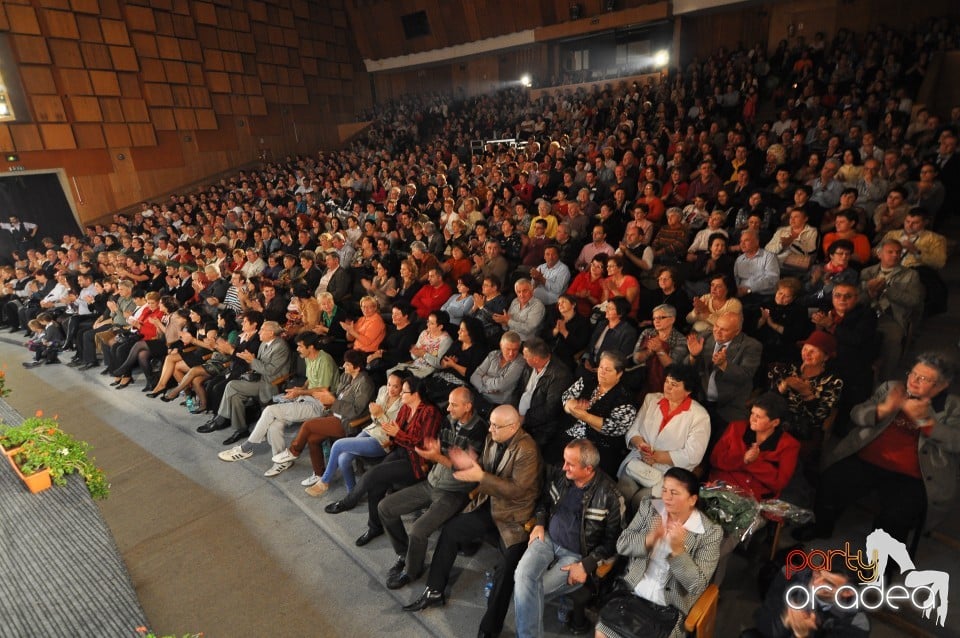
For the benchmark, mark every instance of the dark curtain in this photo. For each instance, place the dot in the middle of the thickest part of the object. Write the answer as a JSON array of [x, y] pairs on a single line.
[[38, 199]]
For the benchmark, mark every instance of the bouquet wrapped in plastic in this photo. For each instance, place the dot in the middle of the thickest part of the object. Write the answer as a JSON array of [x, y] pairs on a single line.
[[733, 508], [740, 514]]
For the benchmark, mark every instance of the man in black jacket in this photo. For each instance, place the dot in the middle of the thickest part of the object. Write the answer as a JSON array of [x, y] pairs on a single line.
[[538, 393], [578, 521]]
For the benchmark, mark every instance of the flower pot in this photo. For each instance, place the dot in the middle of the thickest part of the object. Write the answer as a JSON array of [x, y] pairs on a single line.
[[36, 482]]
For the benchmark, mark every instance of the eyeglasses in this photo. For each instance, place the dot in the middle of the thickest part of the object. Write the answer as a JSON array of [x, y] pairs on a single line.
[[919, 377], [844, 295], [406, 392], [661, 318], [501, 426]]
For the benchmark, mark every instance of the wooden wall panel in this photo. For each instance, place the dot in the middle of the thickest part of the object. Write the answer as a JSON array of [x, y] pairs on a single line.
[[180, 88], [89, 136], [38, 80]]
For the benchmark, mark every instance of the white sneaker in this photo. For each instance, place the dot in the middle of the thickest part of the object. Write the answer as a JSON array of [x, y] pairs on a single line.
[[277, 468], [284, 457], [310, 480], [234, 454]]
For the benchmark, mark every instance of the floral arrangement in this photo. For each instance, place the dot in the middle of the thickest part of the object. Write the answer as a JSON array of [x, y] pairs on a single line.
[[42, 444], [4, 390]]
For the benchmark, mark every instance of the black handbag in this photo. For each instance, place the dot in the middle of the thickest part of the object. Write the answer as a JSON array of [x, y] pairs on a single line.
[[631, 616]]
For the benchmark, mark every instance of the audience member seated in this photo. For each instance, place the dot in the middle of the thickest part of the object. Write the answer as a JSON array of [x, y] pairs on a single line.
[[417, 421], [566, 331], [672, 551], [440, 496], [782, 324], [671, 430], [539, 391], [620, 284], [368, 332], [431, 295], [614, 333], [721, 298], [497, 375], [669, 291], [507, 474], [600, 409], [904, 446], [460, 303], [578, 521], [588, 286], [757, 455], [550, 279], [895, 294], [429, 349], [657, 347], [794, 245], [822, 278], [371, 442], [926, 252], [716, 260], [271, 362], [525, 312], [327, 411]]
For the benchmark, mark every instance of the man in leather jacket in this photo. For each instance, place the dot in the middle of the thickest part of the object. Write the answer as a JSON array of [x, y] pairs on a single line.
[[578, 521]]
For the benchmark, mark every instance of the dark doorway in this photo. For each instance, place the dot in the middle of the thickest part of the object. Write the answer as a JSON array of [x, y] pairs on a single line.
[[37, 198]]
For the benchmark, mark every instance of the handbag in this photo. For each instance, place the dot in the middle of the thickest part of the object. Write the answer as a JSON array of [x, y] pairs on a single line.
[[798, 260], [631, 616]]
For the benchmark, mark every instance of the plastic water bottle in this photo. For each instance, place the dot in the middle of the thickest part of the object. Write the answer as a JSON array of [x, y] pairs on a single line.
[[487, 583], [326, 451], [190, 403]]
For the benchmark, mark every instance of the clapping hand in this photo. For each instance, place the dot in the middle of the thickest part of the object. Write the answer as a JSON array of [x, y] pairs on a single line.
[[430, 450], [751, 454], [466, 466], [694, 344]]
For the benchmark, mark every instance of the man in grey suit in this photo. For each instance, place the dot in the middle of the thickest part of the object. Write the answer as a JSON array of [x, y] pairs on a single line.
[[271, 362], [727, 360]]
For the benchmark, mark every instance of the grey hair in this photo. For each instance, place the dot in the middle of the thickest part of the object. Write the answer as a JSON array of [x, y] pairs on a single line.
[[666, 309], [946, 367], [589, 455]]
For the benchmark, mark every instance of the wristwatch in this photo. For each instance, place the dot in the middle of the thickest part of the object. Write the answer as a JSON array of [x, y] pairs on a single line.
[[925, 421]]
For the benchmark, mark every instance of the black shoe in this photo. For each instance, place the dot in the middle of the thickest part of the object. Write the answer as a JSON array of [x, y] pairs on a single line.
[[398, 567], [105, 372], [167, 399], [368, 536], [236, 437], [32, 364], [399, 581], [429, 598], [121, 385], [214, 424], [336, 507], [75, 363], [153, 394], [579, 630], [88, 366]]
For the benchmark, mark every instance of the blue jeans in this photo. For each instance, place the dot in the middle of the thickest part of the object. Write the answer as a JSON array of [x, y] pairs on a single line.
[[539, 578], [344, 451]]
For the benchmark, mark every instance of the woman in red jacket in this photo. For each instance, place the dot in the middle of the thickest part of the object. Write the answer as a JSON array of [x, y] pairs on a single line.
[[757, 455]]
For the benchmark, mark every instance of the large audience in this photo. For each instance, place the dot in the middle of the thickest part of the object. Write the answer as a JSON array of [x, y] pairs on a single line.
[[555, 340]]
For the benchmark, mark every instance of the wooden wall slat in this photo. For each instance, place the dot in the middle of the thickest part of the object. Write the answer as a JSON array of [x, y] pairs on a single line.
[[61, 24], [162, 119], [129, 84], [135, 110], [89, 27], [114, 32], [30, 49], [85, 108], [75, 81], [89, 136], [105, 82], [124, 58], [66, 53], [26, 137], [96, 56], [57, 136], [48, 108], [142, 135], [91, 6], [38, 80], [145, 44], [140, 19], [23, 19], [111, 109], [116, 135]]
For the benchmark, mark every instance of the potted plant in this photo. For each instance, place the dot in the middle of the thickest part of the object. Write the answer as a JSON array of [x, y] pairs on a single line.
[[39, 444]]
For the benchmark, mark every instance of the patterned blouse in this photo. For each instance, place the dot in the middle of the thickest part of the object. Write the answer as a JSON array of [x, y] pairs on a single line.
[[615, 407], [807, 416]]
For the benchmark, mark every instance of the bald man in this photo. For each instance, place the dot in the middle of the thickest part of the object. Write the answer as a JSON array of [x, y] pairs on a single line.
[[508, 477], [442, 494]]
